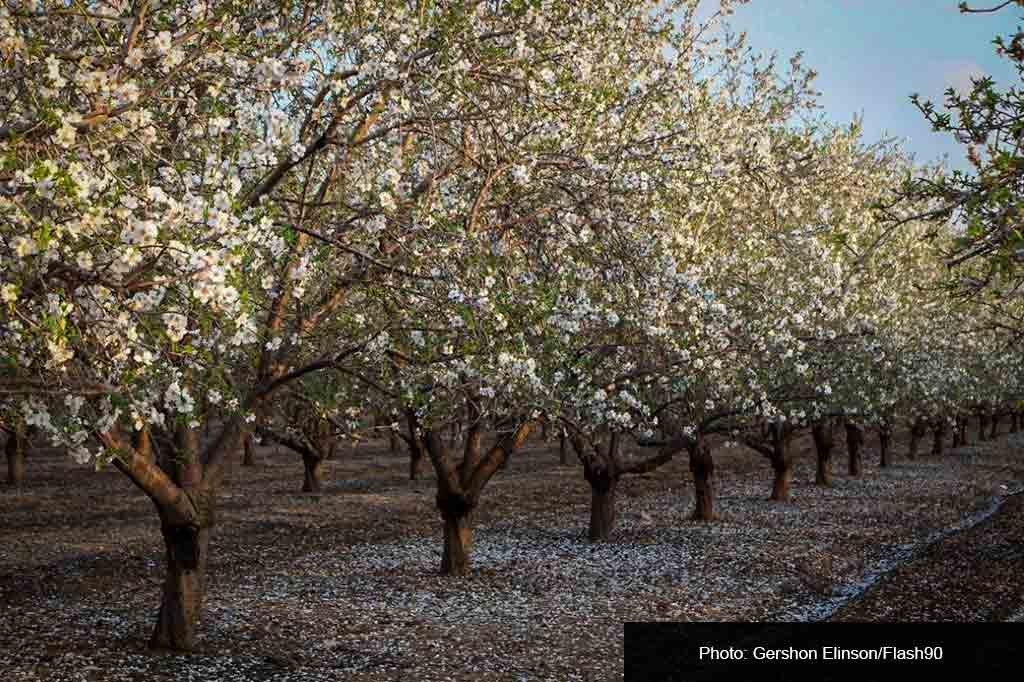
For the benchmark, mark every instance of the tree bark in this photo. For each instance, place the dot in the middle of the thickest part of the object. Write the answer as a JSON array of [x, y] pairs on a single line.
[[854, 448], [994, 432], [959, 432], [938, 439], [982, 427], [249, 455], [563, 450], [1014, 422], [702, 466], [416, 450], [313, 473], [783, 471], [184, 588], [603, 485], [15, 451], [458, 534], [823, 434], [884, 445], [918, 430]]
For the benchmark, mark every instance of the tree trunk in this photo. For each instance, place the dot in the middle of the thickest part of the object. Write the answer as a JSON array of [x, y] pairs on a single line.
[[884, 445], [416, 449], [938, 439], [959, 433], [602, 503], [982, 427], [854, 448], [184, 587], [1014, 423], [822, 432], [563, 450], [783, 471], [15, 451], [392, 442], [314, 474], [702, 466], [249, 456], [995, 427], [458, 535], [918, 430]]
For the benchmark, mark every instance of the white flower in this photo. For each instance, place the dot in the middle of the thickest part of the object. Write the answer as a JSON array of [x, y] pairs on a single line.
[[162, 43], [66, 135], [9, 293], [176, 326], [25, 246], [134, 58]]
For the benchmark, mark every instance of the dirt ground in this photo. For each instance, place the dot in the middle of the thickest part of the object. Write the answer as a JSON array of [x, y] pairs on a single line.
[[343, 585]]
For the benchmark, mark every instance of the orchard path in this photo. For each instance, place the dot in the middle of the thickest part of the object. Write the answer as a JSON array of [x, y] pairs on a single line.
[[976, 574]]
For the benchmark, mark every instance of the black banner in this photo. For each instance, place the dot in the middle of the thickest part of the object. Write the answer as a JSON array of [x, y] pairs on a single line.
[[865, 652]]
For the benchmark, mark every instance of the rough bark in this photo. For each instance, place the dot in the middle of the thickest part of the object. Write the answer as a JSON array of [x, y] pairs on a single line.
[[823, 433], [783, 475], [983, 421], [184, 588], [854, 448], [14, 449], [959, 432], [918, 430], [1014, 422], [603, 484], [938, 439], [702, 466], [416, 451], [457, 515], [994, 432], [563, 450], [313, 477], [782, 464], [188, 469], [249, 454], [884, 445]]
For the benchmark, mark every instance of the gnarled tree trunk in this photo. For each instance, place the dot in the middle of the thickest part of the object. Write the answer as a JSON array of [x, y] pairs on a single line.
[[783, 476], [823, 433], [184, 588], [603, 484], [457, 515], [854, 448], [313, 474], [702, 466]]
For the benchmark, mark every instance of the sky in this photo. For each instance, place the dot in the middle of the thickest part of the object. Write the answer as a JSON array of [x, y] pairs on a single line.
[[870, 56]]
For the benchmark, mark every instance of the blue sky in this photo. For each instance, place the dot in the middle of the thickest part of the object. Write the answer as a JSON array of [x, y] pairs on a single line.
[[870, 55]]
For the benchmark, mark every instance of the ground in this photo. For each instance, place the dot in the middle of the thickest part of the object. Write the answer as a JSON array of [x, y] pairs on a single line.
[[343, 586]]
